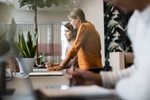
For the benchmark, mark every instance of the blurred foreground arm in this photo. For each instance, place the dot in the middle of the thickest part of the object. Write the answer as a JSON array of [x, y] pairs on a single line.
[[105, 79], [82, 77]]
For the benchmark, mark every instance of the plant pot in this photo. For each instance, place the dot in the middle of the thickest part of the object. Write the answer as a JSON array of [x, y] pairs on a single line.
[[26, 65]]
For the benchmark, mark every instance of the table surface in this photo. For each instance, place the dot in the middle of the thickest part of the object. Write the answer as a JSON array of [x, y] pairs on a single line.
[[37, 81], [24, 87]]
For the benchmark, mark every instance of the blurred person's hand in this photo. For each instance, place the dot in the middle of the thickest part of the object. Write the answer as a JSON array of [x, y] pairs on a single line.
[[83, 77], [48, 65], [54, 68]]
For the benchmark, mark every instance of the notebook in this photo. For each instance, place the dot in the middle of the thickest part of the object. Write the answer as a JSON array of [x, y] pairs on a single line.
[[44, 72], [91, 92]]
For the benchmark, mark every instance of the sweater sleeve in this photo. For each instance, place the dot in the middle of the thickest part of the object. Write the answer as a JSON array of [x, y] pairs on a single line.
[[109, 79]]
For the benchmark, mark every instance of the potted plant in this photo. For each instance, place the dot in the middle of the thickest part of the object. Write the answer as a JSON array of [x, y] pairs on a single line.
[[34, 4], [27, 49], [116, 38]]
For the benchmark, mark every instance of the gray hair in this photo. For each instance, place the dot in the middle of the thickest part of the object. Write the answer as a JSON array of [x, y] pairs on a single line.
[[77, 12]]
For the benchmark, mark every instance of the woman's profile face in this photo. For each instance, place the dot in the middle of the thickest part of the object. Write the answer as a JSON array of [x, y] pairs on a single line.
[[74, 22], [68, 34]]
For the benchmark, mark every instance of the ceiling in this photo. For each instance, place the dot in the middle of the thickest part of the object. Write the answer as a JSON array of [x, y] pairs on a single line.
[[64, 5]]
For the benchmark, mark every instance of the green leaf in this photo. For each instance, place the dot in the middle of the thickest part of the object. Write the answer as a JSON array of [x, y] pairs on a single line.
[[23, 2], [40, 3], [56, 3], [27, 48], [2, 36], [48, 3], [33, 51], [29, 41]]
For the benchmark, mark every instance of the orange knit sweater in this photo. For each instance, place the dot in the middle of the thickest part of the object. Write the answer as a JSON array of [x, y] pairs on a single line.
[[87, 46]]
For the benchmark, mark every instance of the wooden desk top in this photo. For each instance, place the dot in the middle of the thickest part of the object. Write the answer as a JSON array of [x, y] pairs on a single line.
[[22, 91], [37, 82]]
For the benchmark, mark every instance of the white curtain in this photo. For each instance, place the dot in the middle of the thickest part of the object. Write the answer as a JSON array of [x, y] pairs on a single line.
[[50, 42], [49, 38]]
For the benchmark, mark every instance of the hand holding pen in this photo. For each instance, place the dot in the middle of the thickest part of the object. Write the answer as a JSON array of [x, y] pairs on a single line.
[[84, 77]]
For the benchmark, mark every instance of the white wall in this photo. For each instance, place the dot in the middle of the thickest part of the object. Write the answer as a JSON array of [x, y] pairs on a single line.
[[94, 13], [5, 12], [41, 16]]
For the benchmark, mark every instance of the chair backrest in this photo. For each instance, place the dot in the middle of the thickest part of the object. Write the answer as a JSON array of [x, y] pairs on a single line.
[[120, 60]]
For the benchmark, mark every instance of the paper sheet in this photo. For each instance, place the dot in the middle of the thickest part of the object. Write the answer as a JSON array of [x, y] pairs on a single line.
[[92, 91], [46, 73]]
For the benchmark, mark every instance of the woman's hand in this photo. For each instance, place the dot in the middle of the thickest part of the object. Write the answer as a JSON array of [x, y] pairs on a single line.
[[83, 77], [48, 65], [54, 68]]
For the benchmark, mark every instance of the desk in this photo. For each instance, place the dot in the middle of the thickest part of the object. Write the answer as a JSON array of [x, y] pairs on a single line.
[[38, 82], [41, 82]]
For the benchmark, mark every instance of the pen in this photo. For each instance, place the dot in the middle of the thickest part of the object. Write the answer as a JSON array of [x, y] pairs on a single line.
[[71, 76]]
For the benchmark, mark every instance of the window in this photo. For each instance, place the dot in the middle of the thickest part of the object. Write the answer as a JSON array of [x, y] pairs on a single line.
[[63, 42]]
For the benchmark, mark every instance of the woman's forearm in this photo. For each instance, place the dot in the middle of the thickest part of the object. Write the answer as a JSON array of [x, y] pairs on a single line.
[[65, 62]]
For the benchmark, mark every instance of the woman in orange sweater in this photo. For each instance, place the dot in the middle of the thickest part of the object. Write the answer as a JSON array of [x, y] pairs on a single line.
[[87, 45]]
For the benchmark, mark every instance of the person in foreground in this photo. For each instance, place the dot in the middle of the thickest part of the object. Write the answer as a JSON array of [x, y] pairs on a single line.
[[131, 83], [70, 34], [87, 45]]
